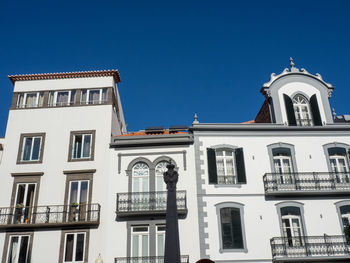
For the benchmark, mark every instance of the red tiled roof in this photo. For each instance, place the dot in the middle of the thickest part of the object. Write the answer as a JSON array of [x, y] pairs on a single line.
[[143, 133], [248, 122], [67, 75]]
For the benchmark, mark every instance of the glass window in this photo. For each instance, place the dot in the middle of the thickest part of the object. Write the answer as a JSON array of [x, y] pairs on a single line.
[[160, 170], [94, 96], [345, 215], [292, 226], [140, 177], [160, 239], [231, 228], [302, 111], [225, 166], [62, 98], [31, 149], [81, 146], [74, 247], [78, 200], [30, 100], [139, 241], [18, 249], [25, 198]]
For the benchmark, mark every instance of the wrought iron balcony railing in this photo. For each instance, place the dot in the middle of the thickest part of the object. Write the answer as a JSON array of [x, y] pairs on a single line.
[[148, 203], [157, 259], [310, 247], [49, 216], [321, 183]]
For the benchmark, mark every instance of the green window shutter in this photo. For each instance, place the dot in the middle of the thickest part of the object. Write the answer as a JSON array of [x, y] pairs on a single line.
[[289, 110], [241, 178], [315, 111], [213, 176]]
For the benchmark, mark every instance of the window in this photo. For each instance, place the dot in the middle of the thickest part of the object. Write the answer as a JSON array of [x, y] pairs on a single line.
[[302, 112], [62, 98], [31, 148], [18, 249], [339, 164], [226, 166], [146, 240], [140, 177], [283, 166], [93, 96], [82, 144], [78, 200], [74, 246], [25, 200], [30, 100], [345, 215], [161, 168], [292, 226], [231, 227], [139, 241]]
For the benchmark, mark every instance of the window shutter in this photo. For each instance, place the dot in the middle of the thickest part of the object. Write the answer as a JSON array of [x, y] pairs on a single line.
[[240, 166], [213, 176], [236, 229], [289, 110], [315, 111]]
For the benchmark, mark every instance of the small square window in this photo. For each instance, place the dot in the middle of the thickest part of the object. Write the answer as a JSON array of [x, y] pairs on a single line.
[[82, 145], [31, 148]]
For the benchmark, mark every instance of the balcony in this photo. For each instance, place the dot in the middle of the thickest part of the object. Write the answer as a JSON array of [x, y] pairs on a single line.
[[311, 183], [184, 259], [310, 249], [49, 216], [148, 203]]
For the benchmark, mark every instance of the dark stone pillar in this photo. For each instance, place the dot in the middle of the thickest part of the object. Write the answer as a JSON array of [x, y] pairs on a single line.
[[172, 244]]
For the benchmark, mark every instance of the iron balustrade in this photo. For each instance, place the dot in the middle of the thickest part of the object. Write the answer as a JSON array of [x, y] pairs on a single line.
[[309, 246], [50, 215], [155, 259], [282, 183], [141, 203]]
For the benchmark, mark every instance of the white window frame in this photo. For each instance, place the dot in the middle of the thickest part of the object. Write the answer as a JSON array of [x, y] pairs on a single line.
[[159, 171], [87, 100], [160, 232], [31, 148], [24, 104], [340, 176], [74, 247], [299, 117], [225, 158], [141, 178], [140, 234], [18, 248], [54, 99], [25, 197], [82, 146]]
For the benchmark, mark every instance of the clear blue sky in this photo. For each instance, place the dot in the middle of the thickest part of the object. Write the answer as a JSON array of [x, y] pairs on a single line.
[[178, 57]]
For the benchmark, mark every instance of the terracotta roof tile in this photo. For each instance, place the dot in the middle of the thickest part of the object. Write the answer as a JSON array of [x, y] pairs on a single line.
[[248, 122], [67, 75]]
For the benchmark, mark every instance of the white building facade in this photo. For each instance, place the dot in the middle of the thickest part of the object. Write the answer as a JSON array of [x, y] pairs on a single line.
[[277, 188]]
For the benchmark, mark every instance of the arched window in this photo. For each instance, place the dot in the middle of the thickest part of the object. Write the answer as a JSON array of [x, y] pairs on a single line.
[[339, 164], [345, 215], [302, 111], [140, 177], [231, 228], [160, 170], [292, 226], [283, 166]]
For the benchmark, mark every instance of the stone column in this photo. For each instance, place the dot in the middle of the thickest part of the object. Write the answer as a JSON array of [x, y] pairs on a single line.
[[172, 244]]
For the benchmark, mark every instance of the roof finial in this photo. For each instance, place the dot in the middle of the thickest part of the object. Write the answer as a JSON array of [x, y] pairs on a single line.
[[334, 114], [291, 64], [195, 121]]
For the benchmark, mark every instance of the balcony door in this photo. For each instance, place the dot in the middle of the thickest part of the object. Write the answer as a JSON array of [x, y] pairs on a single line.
[[78, 200], [139, 241], [292, 226], [25, 195], [284, 170], [160, 185], [18, 249], [340, 168], [140, 187]]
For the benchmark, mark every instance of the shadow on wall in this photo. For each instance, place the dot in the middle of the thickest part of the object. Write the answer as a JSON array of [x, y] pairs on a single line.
[[205, 260]]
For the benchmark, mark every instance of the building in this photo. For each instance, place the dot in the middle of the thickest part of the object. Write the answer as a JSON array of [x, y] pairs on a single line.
[[56, 166], [75, 184], [276, 188]]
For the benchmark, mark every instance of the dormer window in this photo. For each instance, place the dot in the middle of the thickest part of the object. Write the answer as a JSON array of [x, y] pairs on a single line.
[[302, 111]]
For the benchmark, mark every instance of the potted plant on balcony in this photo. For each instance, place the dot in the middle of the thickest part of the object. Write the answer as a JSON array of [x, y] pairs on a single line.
[[72, 211]]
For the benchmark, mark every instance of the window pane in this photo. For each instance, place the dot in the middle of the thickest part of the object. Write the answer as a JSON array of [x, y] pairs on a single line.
[[231, 228], [236, 229], [94, 96], [77, 146], [83, 96], [87, 142], [36, 148], [62, 98], [84, 192], [27, 148], [144, 245], [73, 192], [135, 246], [20, 194], [31, 100], [104, 95], [72, 97], [41, 99], [160, 245], [12, 257], [69, 247], [23, 250], [79, 253], [20, 100]]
